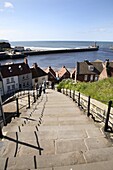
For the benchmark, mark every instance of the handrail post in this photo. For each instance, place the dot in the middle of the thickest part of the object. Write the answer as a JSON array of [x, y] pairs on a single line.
[[63, 90], [107, 117], [34, 97], [79, 99], [66, 91], [1, 134], [17, 107], [37, 94], [73, 95], [2, 113], [88, 108], [70, 93], [28, 101]]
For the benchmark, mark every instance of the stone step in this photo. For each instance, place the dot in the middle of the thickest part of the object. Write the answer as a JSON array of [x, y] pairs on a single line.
[[104, 165], [44, 161], [98, 155], [32, 164]]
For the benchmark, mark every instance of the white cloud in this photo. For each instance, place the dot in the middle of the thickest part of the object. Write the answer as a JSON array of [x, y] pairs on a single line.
[[8, 5]]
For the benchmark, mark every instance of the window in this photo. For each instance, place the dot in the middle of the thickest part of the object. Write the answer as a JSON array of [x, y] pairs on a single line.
[[12, 79], [85, 77], [23, 84], [7, 81], [8, 88], [91, 68], [91, 78], [96, 78], [13, 87]]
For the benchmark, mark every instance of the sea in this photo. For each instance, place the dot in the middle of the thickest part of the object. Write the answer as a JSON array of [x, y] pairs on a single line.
[[69, 60]]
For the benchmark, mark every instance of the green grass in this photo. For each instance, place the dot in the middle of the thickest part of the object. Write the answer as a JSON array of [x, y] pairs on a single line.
[[100, 90]]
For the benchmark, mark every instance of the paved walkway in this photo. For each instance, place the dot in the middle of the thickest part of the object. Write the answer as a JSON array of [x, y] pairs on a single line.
[[54, 135]]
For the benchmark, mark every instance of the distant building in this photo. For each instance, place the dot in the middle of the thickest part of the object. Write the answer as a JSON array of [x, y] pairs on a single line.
[[88, 71], [51, 74], [4, 45], [38, 75], [63, 73], [18, 49]]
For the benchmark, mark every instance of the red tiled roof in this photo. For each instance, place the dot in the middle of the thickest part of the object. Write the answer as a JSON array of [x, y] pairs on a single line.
[[51, 71], [62, 71]]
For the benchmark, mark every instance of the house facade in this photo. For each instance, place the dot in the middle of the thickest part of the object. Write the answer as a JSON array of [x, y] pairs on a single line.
[[24, 75], [88, 71], [9, 79], [38, 75], [16, 77]]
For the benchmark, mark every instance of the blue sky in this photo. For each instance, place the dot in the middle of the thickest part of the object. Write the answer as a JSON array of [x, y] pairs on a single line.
[[22, 20]]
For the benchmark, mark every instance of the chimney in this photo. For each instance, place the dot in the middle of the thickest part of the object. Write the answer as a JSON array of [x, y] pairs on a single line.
[[35, 65], [49, 67], [25, 60], [107, 63]]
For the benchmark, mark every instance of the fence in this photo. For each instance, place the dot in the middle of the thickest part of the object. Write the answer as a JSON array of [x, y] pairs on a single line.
[[98, 111], [23, 99]]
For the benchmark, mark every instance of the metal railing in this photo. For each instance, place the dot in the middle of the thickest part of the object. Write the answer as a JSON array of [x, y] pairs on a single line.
[[23, 99], [98, 111]]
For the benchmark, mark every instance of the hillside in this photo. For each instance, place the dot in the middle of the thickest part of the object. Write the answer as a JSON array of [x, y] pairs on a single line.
[[101, 90]]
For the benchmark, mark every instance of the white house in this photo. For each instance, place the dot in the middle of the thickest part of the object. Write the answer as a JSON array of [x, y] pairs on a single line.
[[9, 78], [24, 75], [16, 76]]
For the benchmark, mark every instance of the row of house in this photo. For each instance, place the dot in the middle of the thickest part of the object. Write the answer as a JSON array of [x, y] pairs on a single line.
[[85, 71], [20, 76]]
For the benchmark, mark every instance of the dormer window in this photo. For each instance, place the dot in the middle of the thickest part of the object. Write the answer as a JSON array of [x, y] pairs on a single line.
[[20, 67], [91, 68], [10, 69]]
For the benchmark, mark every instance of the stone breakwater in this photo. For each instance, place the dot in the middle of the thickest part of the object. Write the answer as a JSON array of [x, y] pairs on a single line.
[[60, 50]]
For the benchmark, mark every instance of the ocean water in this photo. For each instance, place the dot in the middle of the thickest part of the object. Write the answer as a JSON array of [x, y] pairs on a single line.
[[56, 61]]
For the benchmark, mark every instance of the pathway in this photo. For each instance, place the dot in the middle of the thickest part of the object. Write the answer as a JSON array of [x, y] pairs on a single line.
[[54, 135]]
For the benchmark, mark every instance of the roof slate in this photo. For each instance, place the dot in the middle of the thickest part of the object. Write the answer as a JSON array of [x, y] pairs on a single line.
[[82, 67], [37, 72], [17, 69]]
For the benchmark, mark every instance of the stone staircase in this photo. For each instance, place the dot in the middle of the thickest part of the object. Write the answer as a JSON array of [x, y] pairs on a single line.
[[54, 135]]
